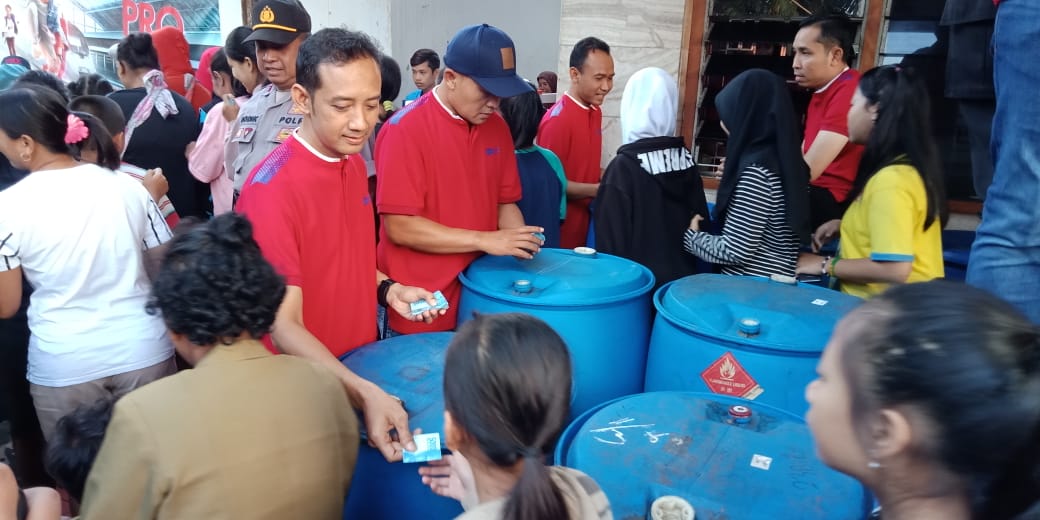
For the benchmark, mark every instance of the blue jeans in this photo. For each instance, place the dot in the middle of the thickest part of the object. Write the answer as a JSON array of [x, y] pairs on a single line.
[[1005, 257], [383, 324]]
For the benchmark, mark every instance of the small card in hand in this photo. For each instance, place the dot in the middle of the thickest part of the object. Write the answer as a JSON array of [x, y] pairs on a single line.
[[421, 306], [427, 448]]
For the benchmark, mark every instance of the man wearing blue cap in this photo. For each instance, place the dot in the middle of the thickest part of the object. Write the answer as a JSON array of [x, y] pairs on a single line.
[[448, 183]]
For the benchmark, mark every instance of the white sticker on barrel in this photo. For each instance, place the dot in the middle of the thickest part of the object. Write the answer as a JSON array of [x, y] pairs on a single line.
[[820, 302], [761, 462]]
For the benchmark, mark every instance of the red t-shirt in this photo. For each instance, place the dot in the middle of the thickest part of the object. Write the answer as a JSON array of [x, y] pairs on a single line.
[[575, 134], [432, 164], [312, 217], [829, 111]]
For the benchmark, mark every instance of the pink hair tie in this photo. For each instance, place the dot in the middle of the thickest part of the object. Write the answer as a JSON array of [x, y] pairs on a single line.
[[77, 131]]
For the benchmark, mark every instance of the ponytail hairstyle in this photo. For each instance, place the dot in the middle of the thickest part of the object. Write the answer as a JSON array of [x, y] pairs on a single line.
[[507, 383], [390, 86], [969, 364], [137, 52], [90, 85], [98, 139], [902, 134]]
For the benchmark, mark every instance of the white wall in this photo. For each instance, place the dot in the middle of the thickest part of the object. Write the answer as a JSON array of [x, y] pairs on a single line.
[[534, 26]]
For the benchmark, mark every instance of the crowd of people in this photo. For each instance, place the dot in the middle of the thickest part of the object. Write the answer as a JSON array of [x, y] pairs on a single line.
[[162, 242]]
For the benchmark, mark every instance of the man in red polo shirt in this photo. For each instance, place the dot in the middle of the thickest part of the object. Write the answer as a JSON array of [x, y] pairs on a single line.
[[311, 212], [448, 183], [823, 52], [573, 130]]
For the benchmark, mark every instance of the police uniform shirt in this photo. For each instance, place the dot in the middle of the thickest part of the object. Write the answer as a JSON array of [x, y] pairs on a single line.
[[264, 121]]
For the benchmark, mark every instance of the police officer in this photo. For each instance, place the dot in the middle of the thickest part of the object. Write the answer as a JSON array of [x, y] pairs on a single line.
[[268, 117]]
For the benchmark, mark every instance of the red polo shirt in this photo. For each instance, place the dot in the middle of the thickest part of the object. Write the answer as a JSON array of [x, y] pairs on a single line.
[[433, 164], [574, 132], [829, 111], [312, 217]]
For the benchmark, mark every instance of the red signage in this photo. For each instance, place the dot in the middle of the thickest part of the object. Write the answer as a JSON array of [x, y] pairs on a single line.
[[142, 17], [725, 376]]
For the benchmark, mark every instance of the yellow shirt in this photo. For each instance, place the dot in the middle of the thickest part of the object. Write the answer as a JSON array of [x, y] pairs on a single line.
[[886, 224]]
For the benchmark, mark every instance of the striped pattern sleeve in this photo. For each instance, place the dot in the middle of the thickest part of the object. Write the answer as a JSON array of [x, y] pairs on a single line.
[[745, 224], [156, 231], [756, 238]]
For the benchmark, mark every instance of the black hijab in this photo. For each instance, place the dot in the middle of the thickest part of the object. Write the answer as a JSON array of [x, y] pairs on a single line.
[[757, 110]]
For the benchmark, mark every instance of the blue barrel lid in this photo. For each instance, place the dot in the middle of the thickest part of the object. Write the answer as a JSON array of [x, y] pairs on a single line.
[[728, 457], [755, 311], [410, 367], [558, 277]]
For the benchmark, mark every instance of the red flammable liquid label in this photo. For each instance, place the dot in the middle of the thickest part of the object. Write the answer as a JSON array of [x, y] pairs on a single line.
[[726, 376]]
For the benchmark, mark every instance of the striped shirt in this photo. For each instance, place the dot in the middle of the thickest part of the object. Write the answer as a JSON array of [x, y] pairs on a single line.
[[756, 238]]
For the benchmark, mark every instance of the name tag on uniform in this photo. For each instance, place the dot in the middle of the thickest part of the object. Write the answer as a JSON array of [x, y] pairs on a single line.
[[244, 134]]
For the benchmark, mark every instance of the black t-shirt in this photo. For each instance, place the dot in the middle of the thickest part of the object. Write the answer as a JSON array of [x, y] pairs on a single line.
[[161, 143]]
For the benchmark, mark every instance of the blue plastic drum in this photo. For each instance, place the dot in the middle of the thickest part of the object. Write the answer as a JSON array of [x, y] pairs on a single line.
[[742, 336], [728, 457], [412, 368], [598, 303]]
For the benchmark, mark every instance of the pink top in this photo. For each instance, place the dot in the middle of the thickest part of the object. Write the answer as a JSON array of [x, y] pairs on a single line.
[[206, 161]]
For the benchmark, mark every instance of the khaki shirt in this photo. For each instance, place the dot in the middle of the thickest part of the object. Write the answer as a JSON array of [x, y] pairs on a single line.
[[264, 121]]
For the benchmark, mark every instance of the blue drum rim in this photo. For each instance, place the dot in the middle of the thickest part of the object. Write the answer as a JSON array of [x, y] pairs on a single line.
[[741, 343], [469, 284]]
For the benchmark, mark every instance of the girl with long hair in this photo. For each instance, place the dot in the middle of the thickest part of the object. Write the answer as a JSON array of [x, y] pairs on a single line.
[[892, 231]]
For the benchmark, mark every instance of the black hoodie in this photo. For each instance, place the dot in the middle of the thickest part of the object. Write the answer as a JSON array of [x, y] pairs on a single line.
[[646, 199]]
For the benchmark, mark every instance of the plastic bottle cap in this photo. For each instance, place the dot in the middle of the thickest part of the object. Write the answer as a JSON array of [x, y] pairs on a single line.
[[779, 278], [522, 286], [586, 251], [749, 327], [671, 507], [739, 412]]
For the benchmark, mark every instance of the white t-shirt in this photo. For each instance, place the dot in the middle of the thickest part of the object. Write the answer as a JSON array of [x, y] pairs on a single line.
[[79, 235]]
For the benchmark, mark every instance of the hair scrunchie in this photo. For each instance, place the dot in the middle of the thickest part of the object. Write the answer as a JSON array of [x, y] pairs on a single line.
[[77, 131]]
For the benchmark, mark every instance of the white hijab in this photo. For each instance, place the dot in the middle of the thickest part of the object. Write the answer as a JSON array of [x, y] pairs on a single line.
[[649, 105]]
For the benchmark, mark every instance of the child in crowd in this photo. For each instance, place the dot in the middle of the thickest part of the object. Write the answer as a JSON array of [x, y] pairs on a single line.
[[111, 118], [83, 236], [762, 200], [206, 160], [507, 389], [542, 182], [892, 231], [929, 394]]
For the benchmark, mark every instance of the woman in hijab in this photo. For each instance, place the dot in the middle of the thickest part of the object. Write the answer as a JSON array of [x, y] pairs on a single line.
[[547, 82], [651, 189], [161, 126], [175, 62], [763, 194]]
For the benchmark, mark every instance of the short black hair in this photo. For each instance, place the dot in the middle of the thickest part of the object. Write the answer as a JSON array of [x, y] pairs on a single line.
[[214, 284], [333, 46], [103, 108], [391, 78], [137, 51], [88, 84], [582, 49], [836, 30], [75, 444], [428, 56], [43, 79], [523, 113]]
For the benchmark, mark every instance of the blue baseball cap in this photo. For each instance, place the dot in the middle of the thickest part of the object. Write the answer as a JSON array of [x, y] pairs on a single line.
[[487, 55]]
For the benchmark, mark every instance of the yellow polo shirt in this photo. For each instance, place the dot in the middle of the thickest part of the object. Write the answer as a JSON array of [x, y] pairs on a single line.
[[886, 224]]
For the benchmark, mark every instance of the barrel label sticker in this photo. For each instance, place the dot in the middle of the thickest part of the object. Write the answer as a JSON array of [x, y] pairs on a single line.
[[726, 376], [761, 462], [820, 302]]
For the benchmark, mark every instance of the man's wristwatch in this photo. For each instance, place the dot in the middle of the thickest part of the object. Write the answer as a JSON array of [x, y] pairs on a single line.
[[382, 290]]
